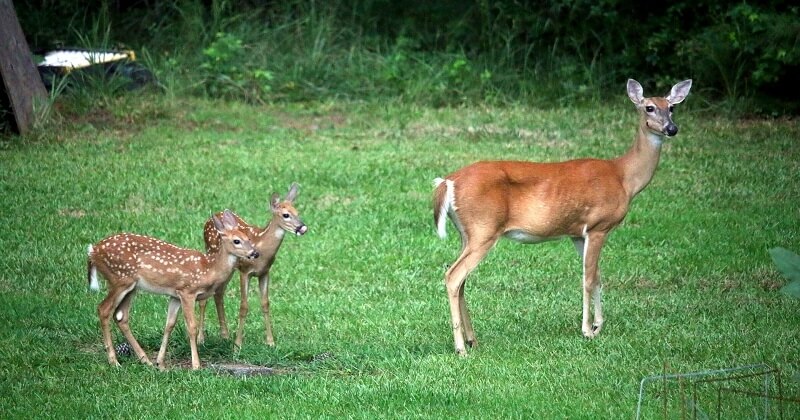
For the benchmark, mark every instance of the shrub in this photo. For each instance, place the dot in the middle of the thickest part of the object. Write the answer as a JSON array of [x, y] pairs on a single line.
[[749, 52], [226, 72]]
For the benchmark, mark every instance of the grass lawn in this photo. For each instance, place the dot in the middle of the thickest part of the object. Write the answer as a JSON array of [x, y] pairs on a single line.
[[360, 315]]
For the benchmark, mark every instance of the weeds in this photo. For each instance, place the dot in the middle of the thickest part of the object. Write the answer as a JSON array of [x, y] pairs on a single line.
[[558, 53]]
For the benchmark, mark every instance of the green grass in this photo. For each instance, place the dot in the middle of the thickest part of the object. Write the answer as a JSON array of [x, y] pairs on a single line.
[[689, 284]]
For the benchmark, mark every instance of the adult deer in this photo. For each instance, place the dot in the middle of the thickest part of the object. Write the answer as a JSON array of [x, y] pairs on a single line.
[[131, 262], [267, 241], [530, 202]]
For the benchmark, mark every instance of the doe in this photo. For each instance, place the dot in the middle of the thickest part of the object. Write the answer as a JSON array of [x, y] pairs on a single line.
[[529, 202], [267, 241], [131, 262]]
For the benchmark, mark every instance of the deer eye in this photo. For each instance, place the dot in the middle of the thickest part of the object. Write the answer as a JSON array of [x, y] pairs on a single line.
[[237, 242], [649, 108], [285, 215]]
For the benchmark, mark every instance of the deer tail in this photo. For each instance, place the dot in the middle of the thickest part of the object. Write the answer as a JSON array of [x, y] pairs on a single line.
[[91, 271], [443, 203]]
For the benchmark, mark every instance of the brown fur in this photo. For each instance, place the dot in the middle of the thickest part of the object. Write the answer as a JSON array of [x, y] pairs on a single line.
[[132, 262], [267, 241], [584, 199]]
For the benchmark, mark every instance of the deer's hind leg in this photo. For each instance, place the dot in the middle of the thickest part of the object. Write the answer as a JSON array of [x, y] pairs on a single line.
[[105, 311], [455, 278], [122, 315]]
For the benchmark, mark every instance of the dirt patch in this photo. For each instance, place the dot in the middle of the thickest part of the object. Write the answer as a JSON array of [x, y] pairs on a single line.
[[242, 370], [73, 213], [311, 123], [329, 200]]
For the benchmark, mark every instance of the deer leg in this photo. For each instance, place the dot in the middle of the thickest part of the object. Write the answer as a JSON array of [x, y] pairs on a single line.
[[220, 305], [469, 332], [172, 316], [263, 289], [201, 318], [455, 277], [589, 248], [243, 286], [187, 301], [223, 326], [105, 311], [122, 316], [219, 295]]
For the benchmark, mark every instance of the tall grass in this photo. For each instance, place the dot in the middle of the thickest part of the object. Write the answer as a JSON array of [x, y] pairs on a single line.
[[313, 51], [446, 53]]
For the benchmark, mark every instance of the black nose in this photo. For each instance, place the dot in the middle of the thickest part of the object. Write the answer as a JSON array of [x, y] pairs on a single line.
[[254, 255], [672, 130]]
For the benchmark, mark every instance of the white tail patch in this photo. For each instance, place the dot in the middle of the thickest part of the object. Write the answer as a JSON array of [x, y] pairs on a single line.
[[448, 204], [93, 283]]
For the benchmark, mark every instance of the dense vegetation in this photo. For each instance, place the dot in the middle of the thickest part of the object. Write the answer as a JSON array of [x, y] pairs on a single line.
[[445, 52]]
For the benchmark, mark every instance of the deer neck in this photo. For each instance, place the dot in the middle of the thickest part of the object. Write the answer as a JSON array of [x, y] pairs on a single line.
[[640, 162], [270, 237], [218, 263]]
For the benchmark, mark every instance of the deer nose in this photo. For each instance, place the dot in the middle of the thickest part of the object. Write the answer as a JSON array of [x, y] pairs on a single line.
[[302, 229], [671, 130], [254, 255]]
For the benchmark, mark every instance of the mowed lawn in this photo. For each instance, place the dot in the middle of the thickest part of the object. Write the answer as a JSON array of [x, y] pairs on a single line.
[[361, 319]]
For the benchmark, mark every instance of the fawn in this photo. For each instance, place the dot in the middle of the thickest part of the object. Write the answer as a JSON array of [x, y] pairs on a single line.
[[131, 262], [267, 241]]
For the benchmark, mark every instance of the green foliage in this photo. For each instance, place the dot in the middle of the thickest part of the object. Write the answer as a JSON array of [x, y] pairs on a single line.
[[450, 52], [788, 264], [227, 73], [749, 52], [399, 60]]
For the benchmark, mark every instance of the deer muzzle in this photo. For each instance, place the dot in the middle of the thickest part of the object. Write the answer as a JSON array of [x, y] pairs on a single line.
[[671, 129]]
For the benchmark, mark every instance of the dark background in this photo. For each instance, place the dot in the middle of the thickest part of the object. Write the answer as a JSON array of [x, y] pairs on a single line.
[[733, 49]]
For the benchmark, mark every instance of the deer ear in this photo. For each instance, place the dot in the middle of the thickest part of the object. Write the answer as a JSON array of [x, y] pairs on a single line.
[[292, 192], [635, 91], [218, 223], [274, 201], [679, 92], [228, 221]]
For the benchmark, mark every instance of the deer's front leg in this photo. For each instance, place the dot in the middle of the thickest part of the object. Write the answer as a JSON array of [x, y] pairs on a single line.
[[220, 305], [243, 286], [263, 289], [219, 297], [592, 245], [172, 315], [187, 302], [201, 334]]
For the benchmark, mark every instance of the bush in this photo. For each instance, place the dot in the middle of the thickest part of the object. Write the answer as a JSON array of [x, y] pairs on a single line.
[[450, 51], [226, 71], [750, 53]]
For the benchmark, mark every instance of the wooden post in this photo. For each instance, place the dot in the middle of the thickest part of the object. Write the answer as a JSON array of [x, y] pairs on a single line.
[[21, 80]]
